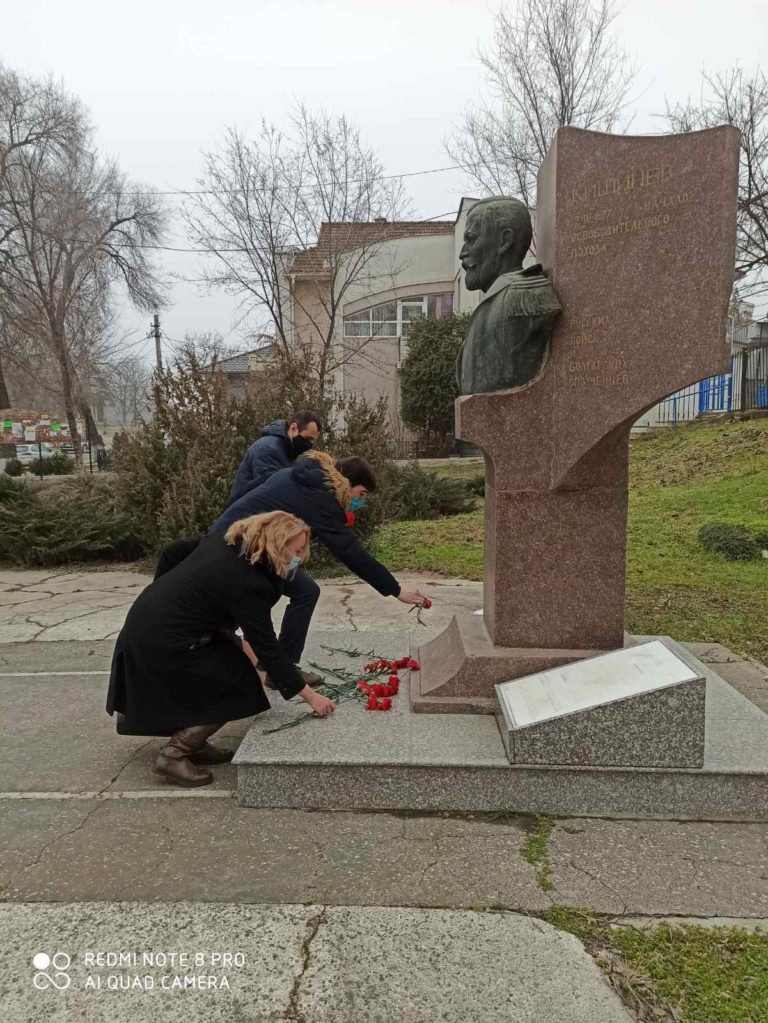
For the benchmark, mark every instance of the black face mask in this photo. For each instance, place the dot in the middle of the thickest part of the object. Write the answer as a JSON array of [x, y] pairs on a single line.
[[299, 445]]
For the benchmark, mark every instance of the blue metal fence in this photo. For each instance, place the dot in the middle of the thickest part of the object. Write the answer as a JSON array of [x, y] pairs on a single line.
[[742, 388]]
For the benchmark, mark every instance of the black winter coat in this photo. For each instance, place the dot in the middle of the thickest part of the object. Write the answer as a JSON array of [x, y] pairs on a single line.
[[303, 490], [271, 452], [175, 665]]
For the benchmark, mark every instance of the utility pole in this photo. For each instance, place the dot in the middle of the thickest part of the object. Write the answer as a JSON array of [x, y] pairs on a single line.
[[156, 332]]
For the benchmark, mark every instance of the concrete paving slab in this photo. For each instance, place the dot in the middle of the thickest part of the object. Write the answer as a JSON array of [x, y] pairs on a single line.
[[95, 625], [83, 582], [633, 867], [318, 964], [270, 939], [521, 969], [17, 597], [712, 653], [355, 605], [55, 608], [174, 849], [16, 578], [57, 737], [22, 632], [74, 606], [66, 655], [190, 846]]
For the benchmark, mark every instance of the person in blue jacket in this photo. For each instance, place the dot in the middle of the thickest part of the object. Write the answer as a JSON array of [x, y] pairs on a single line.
[[280, 444], [322, 494]]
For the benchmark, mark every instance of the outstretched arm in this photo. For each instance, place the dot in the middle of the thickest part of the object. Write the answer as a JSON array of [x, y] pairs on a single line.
[[256, 622], [332, 531]]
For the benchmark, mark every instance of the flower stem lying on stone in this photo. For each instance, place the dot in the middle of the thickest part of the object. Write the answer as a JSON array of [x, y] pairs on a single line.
[[378, 695]]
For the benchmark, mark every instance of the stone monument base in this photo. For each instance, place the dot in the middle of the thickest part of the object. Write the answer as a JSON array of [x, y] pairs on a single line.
[[461, 666], [433, 763]]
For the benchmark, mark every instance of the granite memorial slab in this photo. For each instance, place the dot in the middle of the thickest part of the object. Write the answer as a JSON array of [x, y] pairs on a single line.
[[636, 236], [638, 707]]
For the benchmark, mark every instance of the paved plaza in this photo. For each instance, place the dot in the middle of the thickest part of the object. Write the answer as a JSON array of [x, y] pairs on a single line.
[[379, 908]]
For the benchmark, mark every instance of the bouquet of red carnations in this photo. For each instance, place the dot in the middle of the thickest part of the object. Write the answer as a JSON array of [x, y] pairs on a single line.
[[369, 686]]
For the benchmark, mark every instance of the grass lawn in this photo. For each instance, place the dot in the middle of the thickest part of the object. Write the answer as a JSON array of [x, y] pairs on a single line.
[[713, 975], [680, 479], [678, 974], [454, 468]]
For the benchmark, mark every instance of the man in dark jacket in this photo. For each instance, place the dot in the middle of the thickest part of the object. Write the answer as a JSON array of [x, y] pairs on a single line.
[[314, 489], [280, 443]]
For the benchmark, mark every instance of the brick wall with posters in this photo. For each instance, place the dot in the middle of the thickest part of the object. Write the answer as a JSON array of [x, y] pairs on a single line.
[[27, 426]]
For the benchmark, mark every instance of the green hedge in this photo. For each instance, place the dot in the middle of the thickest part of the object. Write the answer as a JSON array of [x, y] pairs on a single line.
[[79, 520]]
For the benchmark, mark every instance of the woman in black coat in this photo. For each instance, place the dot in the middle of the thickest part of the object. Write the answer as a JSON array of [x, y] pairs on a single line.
[[179, 671]]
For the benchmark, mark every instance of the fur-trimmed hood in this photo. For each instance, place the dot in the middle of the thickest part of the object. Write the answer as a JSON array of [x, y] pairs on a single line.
[[318, 469]]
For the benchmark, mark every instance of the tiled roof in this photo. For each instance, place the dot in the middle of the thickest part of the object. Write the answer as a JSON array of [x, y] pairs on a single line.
[[341, 237], [242, 363]]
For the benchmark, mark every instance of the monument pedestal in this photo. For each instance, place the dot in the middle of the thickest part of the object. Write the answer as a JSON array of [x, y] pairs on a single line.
[[442, 763], [461, 667]]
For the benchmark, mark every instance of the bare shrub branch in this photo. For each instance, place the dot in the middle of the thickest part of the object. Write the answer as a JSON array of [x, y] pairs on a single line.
[[741, 99]]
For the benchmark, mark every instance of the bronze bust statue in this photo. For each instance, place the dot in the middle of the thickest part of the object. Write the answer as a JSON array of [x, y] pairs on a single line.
[[509, 332]]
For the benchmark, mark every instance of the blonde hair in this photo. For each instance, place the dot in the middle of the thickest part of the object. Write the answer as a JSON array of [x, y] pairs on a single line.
[[338, 484], [264, 538]]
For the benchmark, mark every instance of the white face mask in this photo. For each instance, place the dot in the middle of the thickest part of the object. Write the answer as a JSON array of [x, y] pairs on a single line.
[[293, 564]]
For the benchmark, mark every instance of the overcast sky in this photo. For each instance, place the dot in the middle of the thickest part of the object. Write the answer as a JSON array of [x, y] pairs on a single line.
[[161, 78]]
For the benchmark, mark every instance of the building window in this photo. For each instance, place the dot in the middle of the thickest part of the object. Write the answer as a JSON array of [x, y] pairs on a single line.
[[440, 305], [379, 321], [394, 319]]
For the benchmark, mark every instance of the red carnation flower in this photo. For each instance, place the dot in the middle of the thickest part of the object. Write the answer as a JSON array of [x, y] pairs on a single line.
[[350, 519], [374, 667], [385, 704]]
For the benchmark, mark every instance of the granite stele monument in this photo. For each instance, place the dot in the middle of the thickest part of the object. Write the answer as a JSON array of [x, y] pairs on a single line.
[[542, 703], [635, 242]]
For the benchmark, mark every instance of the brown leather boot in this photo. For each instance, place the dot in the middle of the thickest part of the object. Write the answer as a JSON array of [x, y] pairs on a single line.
[[212, 755], [173, 761]]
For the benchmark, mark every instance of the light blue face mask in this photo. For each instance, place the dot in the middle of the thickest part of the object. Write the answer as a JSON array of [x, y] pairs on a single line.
[[356, 503], [293, 564]]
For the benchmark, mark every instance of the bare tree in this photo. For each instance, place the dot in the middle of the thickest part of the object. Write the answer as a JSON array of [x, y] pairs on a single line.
[[74, 226], [93, 342], [35, 114], [552, 63], [293, 222], [737, 98], [128, 381], [206, 347]]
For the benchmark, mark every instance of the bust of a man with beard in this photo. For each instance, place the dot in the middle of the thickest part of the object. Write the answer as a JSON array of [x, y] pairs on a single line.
[[509, 332]]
